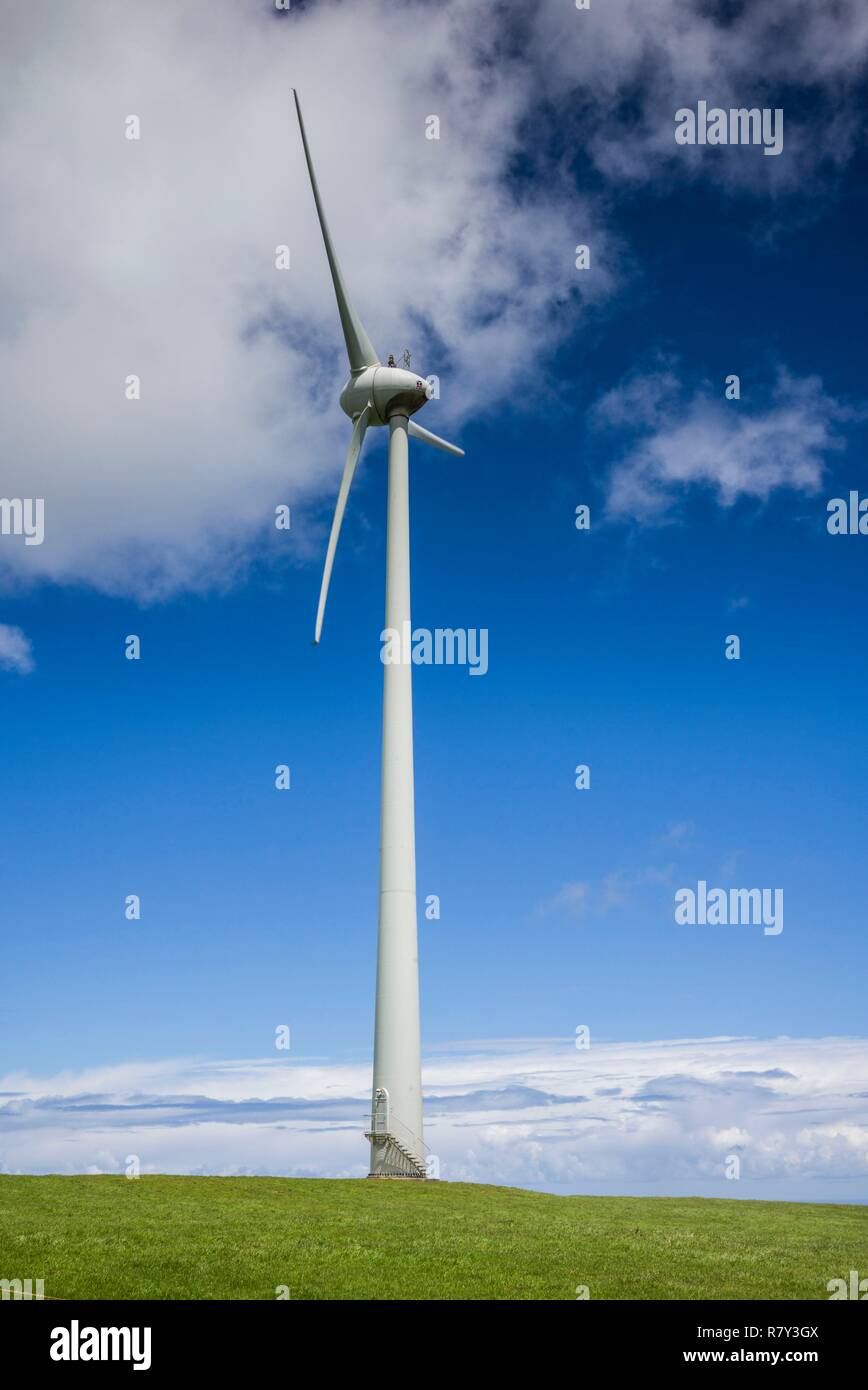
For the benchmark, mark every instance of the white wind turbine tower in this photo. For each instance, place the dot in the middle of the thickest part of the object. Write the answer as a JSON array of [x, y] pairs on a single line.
[[378, 395]]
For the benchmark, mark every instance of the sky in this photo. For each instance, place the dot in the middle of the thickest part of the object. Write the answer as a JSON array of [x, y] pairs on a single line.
[[601, 387]]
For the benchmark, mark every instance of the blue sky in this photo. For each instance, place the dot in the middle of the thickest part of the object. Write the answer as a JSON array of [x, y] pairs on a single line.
[[606, 647]]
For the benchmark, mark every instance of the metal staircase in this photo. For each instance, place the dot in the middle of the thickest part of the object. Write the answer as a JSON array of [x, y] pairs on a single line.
[[395, 1158]]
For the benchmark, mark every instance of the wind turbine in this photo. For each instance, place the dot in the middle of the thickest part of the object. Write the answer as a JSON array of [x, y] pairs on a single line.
[[375, 395]]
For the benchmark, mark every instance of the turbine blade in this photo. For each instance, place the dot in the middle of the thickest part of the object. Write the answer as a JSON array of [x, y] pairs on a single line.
[[343, 492], [360, 350], [428, 438]]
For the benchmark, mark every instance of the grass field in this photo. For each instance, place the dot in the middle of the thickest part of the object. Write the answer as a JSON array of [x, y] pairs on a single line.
[[219, 1238]]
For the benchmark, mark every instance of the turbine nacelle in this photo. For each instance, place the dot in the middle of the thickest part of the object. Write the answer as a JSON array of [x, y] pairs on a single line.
[[386, 391]]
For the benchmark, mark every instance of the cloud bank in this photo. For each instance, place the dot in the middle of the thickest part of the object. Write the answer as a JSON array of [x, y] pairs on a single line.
[[642, 1118]]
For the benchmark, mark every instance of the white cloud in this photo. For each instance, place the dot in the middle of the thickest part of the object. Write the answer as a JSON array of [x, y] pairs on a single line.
[[652, 1117], [738, 449], [571, 898], [634, 64], [614, 890], [678, 832], [156, 257], [16, 650]]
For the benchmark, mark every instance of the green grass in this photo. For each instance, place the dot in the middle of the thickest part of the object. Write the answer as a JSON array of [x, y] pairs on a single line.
[[219, 1238]]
